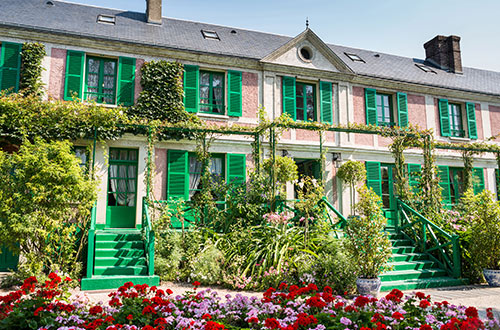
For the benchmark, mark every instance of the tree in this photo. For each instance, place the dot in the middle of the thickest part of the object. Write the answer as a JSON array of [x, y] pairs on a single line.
[[45, 201]]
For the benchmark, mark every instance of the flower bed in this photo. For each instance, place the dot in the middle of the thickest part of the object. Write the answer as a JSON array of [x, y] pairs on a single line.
[[45, 305]]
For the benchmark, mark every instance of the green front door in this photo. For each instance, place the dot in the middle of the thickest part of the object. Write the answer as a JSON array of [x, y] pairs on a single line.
[[388, 198], [8, 260], [122, 188]]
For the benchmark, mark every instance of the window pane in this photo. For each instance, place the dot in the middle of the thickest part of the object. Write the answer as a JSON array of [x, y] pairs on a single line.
[[217, 95], [300, 114], [299, 103], [299, 90], [310, 109], [194, 165], [132, 170], [109, 68], [93, 65], [204, 94], [109, 82], [92, 80], [309, 90], [386, 201], [217, 80], [113, 154], [123, 154], [205, 78]]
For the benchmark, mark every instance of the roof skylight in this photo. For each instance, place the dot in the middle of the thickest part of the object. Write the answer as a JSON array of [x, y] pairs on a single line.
[[354, 57], [207, 34], [106, 19], [425, 68]]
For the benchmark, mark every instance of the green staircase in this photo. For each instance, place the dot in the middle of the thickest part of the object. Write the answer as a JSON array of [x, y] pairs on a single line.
[[411, 269], [117, 256]]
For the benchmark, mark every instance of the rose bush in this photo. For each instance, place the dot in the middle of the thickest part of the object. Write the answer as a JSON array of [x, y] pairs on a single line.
[[44, 305]]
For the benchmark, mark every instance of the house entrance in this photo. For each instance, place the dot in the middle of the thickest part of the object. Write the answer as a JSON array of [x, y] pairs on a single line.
[[122, 188], [388, 197]]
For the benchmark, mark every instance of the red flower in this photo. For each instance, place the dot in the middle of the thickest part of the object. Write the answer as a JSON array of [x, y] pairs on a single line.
[[489, 313], [206, 316], [196, 283], [253, 320], [397, 316], [148, 310], [272, 323], [129, 317], [213, 326], [95, 310], [377, 317], [361, 301], [315, 302], [420, 295], [328, 289], [471, 312], [37, 311], [109, 319], [425, 327], [312, 287], [169, 292], [148, 327], [283, 286], [424, 304], [293, 288]]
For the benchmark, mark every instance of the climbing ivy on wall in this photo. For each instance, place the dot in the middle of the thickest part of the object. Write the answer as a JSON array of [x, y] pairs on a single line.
[[32, 55]]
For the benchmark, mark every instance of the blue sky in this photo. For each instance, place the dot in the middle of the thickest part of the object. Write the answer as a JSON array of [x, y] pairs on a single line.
[[399, 27]]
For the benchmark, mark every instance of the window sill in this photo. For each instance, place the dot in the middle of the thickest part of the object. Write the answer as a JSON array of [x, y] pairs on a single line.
[[212, 116], [459, 139]]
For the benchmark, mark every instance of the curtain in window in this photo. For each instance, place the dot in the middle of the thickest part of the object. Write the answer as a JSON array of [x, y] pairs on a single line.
[[194, 175], [131, 185]]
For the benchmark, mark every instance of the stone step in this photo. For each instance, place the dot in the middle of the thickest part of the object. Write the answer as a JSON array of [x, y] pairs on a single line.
[[121, 270], [412, 265], [114, 261], [400, 275], [435, 282], [123, 253]]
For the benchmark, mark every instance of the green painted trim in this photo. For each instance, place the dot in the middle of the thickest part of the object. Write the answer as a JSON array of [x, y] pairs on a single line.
[[303, 86], [100, 226], [211, 99]]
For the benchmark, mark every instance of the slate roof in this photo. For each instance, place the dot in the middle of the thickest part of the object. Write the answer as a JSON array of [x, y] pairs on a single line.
[[81, 20]]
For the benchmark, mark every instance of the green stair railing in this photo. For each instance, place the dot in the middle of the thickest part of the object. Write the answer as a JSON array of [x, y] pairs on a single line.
[[284, 205], [442, 247], [91, 243], [149, 237]]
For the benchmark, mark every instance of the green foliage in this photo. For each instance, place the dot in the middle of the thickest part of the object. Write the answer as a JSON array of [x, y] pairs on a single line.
[[309, 193], [353, 172], [484, 239], [45, 201], [57, 120], [32, 55], [367, 241], [162, 97], [285, 170]]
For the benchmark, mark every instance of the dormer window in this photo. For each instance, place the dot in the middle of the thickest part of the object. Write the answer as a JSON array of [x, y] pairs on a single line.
[[106, 19], [354, 57], [207, 34]]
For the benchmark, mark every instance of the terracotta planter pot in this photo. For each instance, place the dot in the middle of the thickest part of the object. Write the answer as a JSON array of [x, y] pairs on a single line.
[[492, 276], [368, 286]]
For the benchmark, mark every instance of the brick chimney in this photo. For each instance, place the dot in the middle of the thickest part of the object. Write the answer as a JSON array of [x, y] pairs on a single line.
[[445, 53], [153, 11]]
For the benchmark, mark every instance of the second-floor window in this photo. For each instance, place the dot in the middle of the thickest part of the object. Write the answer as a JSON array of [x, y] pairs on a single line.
[[457, 120], [380, 110], [100, 79], [305, 98], [210, 92], [301, 102], [385, 116]]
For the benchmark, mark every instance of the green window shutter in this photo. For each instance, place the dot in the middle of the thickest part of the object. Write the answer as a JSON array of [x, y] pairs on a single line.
[[236, 168], [373, 179], [402, 110], [289, 105], [325, 95], [371, 106], [234, 86], [126, 81], [191, 88], [471, 120], [414, 171], [497, 176], [178, 175], [444, 183], [74, 74], [10, 64], [478, 177], [444, 117]]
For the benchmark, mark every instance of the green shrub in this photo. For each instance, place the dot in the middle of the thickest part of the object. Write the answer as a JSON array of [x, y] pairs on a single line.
[[366, 239], [484, 232], [32, 55], [45, 201]]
